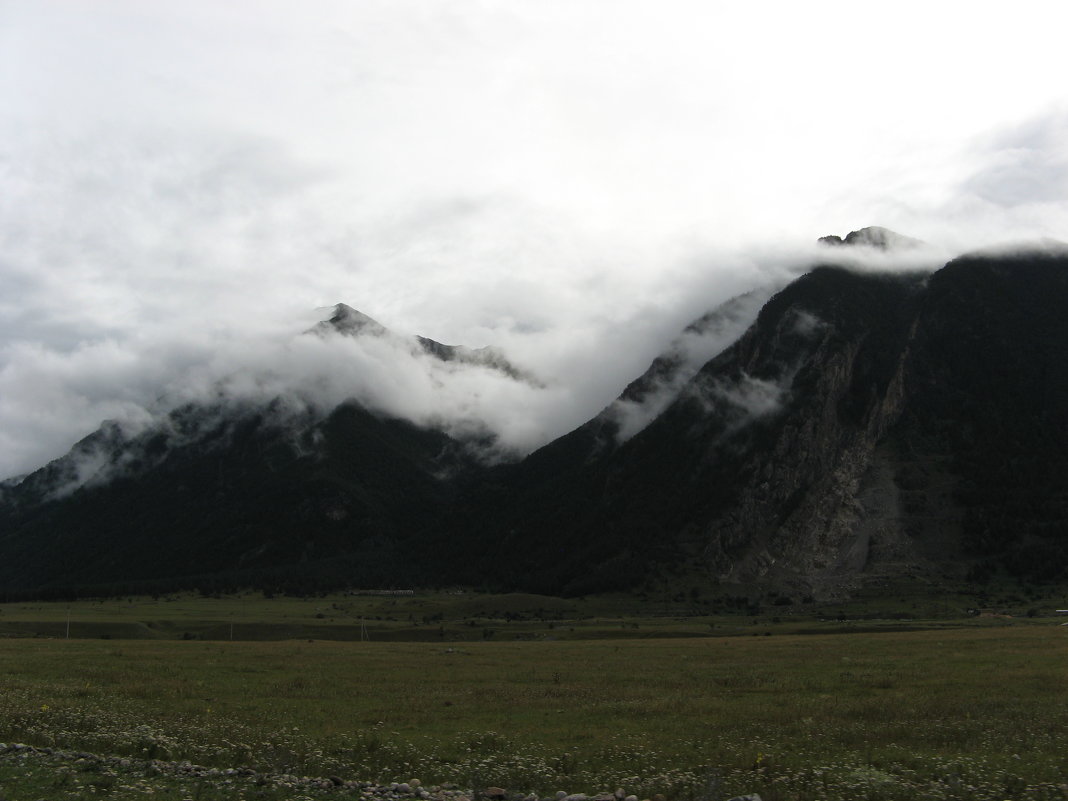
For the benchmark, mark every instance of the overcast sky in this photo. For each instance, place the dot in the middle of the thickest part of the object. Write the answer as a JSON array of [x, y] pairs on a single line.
[[183, 184]]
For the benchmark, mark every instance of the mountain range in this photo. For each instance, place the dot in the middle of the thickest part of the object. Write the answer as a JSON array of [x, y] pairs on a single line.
[[860, 427]]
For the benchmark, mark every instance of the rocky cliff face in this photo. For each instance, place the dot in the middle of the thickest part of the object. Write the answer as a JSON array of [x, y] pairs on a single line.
[[843, 347], [781, 432], [901, 442]]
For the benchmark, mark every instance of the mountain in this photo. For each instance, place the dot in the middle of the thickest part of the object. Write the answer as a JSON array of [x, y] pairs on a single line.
[[865, 426], [851, 428], [873, 236], [236, 487], [347, 321]]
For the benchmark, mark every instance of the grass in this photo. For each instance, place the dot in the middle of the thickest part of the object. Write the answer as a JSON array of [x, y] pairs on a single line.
[[975, 712], [436, 617]]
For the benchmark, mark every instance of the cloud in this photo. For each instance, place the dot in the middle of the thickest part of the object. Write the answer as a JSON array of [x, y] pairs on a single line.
[[180, 185], [751, 397], [674, 368], [1005, 182], [142, 281], [1027, 164], [51, 395]]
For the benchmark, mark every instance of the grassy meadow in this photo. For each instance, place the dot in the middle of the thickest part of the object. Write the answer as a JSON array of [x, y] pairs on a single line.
[[976, 711], [470, 617]]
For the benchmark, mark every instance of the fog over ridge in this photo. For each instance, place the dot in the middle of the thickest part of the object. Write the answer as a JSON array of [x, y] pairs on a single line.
[[180, 187], [553, 379]]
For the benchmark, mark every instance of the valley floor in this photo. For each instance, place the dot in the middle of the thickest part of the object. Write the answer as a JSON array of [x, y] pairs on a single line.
[[976, 711]]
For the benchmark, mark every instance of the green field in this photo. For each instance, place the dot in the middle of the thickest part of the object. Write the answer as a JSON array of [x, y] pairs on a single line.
[[974, 710]]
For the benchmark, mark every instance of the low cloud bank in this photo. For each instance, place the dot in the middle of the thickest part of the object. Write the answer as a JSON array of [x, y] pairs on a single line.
[[180, 187], [562, 376]]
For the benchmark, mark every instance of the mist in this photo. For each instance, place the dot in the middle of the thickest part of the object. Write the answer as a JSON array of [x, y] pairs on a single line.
[[183, 186]]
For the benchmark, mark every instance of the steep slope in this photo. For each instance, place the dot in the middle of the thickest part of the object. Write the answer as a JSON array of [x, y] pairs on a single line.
[[757, 433]]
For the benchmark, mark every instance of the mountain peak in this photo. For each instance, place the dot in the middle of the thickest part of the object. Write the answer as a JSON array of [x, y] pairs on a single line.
[[347, 320], [874, 236]]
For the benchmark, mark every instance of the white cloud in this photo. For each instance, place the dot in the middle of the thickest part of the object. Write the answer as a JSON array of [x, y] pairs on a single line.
[[701, 341], [180, 183]]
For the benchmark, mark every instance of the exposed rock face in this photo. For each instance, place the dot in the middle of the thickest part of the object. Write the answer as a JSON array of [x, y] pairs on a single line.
[[797, 515], [781, 429], [911, 395]]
